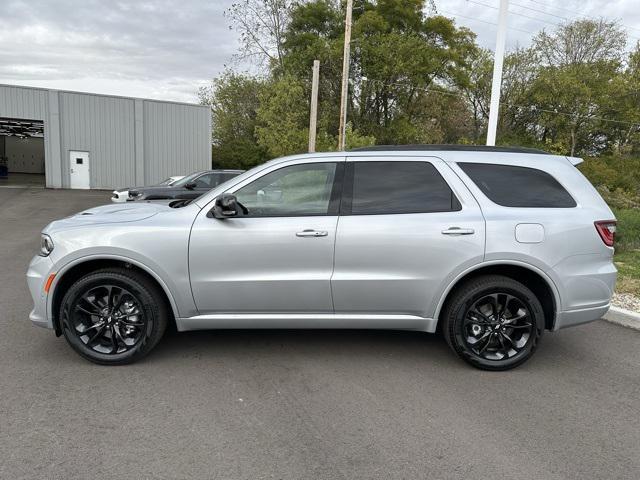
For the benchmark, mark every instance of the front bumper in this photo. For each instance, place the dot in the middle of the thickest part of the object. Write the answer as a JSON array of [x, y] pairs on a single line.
[[39, 270]]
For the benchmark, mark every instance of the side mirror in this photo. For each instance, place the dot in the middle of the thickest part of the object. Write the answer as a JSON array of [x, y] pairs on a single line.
[[191, 185], [225, 206]]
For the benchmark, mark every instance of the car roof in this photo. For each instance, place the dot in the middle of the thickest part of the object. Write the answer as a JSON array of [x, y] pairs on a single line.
[[447, 153], [448, 148]]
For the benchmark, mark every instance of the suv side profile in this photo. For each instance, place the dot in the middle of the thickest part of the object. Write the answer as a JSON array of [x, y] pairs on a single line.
[[492, 246]]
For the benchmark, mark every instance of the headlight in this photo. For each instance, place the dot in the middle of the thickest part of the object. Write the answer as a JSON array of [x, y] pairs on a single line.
[[46, 245]]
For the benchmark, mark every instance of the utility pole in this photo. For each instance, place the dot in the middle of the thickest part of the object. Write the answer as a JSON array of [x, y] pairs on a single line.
[[313, 117], [497, 73], [345, 77]]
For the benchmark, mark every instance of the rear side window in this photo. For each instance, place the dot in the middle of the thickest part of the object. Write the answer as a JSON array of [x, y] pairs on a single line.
[[378, 188], [512, 186]]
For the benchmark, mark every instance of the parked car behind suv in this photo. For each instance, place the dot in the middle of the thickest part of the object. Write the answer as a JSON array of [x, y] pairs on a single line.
[[492, 245], [121, 195], [189, 187]]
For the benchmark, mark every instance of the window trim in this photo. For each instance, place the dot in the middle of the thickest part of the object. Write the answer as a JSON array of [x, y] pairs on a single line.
[[482, 192], [335, 197], [346, 206]]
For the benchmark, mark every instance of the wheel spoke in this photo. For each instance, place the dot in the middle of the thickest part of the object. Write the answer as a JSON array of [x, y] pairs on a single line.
[[503, 347], [521, 326], [84, 310], [110, 296], [511, 342], [93, 304], [91, 327], [495, 308], [96, 335], [131, 324], [516, 318], [475, 312], [486, 339], [119, 336], [114, 340], [120, 301]]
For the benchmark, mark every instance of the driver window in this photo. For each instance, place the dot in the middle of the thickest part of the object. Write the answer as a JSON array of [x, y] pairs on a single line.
[[297, 190], [204, 181]]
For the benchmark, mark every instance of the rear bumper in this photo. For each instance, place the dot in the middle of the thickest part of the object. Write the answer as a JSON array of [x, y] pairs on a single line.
[[586, 283], [572, 318]]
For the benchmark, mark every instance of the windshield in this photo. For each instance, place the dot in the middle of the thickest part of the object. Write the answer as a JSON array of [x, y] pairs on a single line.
[[183, 181]]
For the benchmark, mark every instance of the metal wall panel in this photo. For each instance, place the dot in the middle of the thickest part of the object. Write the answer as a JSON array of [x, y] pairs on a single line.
[[104, 127], [177, 139], [130, 141], [25, 103]]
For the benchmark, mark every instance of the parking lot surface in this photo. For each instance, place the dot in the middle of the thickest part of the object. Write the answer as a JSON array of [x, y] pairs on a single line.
[[309, 404]]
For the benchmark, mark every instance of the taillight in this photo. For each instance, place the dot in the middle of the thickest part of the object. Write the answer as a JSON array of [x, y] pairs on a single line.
[[607, 231]]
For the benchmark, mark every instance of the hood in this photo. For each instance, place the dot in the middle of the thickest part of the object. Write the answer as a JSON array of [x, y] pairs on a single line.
[[113, 213], [152, 188]]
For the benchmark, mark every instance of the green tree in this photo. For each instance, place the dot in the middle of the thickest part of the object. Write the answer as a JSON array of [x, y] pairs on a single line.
[[398, 53], [281, 118], [560, 94], [234, 101], [624, 103]]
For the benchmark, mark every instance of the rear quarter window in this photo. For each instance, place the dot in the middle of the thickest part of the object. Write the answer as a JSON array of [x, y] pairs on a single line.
[[513, 186]]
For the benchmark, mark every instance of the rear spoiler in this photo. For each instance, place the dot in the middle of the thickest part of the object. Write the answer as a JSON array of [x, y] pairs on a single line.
[[575, 161]]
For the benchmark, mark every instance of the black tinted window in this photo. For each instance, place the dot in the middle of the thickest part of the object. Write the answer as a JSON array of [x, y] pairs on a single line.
[[398, 187], [513, 186]]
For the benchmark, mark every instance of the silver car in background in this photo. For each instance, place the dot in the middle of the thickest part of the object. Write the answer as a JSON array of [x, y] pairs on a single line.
[[492, 246]]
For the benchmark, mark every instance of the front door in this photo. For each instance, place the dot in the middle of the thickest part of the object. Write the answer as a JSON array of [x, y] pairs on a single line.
[[79, 170], [278, 256], [407, 227]]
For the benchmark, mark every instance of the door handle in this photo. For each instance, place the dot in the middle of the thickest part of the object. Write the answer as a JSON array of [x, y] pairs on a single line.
[[458, 231], [312, 233]]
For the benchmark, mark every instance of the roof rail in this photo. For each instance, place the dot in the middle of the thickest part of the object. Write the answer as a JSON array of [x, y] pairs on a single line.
[[450, 148]]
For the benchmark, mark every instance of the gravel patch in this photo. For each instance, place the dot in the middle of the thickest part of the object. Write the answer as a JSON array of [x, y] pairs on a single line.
[[627, 301]]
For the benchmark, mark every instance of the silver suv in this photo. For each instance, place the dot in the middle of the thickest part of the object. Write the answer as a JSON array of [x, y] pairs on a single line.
[[491, 246]]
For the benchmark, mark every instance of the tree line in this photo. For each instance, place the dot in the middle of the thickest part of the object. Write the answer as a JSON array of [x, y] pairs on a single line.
[[416, 77]]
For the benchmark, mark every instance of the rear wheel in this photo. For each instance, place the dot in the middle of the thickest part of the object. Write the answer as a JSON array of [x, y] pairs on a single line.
[[493, 322], [113, 316]]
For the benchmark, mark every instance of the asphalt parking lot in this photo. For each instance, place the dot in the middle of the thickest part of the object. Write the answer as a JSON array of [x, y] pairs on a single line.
[[294, 405]]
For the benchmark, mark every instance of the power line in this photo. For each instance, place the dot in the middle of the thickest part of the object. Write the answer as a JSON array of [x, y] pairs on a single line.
[[573, 12], [540, 11], [515, 13], [536, 18], [485, 21], [530, 107]]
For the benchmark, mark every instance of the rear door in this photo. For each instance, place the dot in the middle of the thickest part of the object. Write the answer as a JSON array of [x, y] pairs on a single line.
[[407, 227]]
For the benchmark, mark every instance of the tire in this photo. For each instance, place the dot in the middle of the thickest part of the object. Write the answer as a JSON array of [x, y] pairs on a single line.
[[486, 340], [113, 316]]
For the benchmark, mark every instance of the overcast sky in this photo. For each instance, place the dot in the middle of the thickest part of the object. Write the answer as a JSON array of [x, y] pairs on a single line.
[[167, 49]]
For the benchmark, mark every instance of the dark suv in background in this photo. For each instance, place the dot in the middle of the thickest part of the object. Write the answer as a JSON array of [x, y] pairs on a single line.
[[189, 187]]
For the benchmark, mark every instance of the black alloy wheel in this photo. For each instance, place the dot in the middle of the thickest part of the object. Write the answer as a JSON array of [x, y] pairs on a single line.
[[113, 316], [493, 322], [108, 319]]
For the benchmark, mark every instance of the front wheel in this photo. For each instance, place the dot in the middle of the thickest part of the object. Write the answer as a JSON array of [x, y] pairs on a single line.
[[493, 322], [113, 316]]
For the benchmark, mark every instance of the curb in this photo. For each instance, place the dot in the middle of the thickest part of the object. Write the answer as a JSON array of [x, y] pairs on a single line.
[[624, 317]]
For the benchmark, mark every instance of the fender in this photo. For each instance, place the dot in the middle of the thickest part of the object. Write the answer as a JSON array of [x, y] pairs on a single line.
[[61, 272], [552, 285]]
